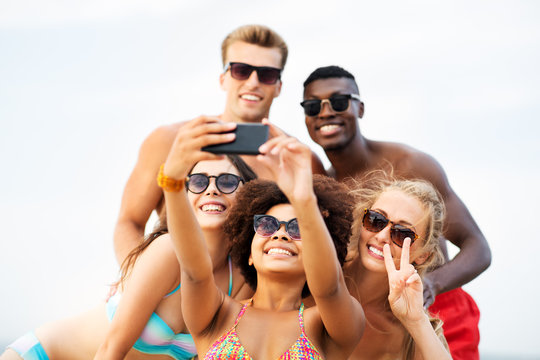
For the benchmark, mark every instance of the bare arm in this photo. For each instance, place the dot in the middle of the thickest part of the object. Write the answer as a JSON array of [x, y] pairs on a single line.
[[155, 273], [201, 298], [341, 314], [141, 194], [460, 228]]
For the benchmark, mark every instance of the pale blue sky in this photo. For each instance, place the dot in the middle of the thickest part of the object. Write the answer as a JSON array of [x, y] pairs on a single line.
[[83, 83]]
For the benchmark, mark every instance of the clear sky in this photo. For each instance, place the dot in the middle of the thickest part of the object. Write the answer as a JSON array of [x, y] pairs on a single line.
[[83, 83]]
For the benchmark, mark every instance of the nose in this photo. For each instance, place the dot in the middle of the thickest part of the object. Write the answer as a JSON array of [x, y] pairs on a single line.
[[326, 109], [383, 236], [212, 188], [253, 79], [281, 234]]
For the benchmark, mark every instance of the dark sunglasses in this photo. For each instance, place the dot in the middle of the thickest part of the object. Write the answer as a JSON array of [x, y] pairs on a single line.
[[338, 103], [266, 74], [375, 222], [226, 183], [267, 225]]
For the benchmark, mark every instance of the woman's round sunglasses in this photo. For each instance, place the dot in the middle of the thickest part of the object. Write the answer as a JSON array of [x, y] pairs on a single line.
[[226, 183], [339, 103], [374, 221], [266, 74], [267, 225]]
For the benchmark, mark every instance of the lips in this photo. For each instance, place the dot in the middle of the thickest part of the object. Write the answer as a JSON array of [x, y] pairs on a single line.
[[213, 208], [375, 251], [279, 251], [329, 129], [250, 97]]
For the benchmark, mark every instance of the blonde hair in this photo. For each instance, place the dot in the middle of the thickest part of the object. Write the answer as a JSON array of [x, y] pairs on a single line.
[[368, 190], [366, 193], [257, 35]]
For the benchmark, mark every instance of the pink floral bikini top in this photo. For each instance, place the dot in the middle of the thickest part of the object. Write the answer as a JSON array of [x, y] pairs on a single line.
[[228, 346]]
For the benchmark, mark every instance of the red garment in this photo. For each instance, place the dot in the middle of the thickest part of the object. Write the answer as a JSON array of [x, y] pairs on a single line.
[[460, 315]]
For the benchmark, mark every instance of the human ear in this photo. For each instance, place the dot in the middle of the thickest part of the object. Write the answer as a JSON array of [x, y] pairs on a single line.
[[422, 258], [250, 261], [361, 110], [277, 91], [222, 82]]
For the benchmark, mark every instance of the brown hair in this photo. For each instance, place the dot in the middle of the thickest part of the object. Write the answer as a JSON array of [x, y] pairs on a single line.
[[257, 35], [160, 228], [259, 196]]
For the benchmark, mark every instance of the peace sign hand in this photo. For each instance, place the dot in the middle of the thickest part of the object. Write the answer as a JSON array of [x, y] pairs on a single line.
[[406, 293]]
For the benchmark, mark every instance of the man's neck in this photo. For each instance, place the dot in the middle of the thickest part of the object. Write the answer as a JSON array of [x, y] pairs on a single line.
[[352, 159]]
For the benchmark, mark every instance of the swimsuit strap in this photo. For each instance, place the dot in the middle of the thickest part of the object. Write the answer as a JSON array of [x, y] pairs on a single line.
[[301, 318], [241, 313], [230, 275], [172, 292]]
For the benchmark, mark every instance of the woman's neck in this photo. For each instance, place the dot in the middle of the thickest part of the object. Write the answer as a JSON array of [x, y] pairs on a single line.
[[369, 287], [278, 294], [218, 248]]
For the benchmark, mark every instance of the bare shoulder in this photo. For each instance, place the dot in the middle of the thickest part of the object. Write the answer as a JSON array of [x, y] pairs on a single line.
[[163, 136], [161, 250], [410, 163]]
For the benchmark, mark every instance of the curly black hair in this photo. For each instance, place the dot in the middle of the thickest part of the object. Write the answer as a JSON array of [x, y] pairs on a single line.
[[258, 196]]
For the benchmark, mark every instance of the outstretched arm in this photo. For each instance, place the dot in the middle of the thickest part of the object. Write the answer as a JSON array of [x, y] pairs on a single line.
[[201, 297], [460, 228], [406, 301], [290, 163]]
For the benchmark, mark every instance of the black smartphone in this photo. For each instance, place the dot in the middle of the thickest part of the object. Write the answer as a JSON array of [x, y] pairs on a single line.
[[249, 137]]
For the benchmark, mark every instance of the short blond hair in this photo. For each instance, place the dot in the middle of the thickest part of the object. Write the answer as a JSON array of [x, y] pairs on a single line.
[[257, 35]]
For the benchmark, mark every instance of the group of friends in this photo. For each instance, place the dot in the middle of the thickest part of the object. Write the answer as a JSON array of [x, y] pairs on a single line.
[[273, 256]]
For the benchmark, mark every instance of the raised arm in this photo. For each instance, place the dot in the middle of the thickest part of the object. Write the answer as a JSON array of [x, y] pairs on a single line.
[[460, 228], [141, 193], [342, 316], [201, 297], [406, 301]]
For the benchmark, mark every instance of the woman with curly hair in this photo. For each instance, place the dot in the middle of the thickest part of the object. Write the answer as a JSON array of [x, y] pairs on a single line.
[[394, 242], [143, 320], [289, 239]]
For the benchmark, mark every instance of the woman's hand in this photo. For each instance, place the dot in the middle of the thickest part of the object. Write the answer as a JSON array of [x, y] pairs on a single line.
[[406, 293], [289, 162], [194, 135]]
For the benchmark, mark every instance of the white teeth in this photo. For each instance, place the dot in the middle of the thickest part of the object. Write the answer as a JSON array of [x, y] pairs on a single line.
[[212, 207], [329, 127], [250, 97], [376, 251], [279, 251]]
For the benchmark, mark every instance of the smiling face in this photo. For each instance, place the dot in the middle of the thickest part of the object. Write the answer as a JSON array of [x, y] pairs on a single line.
[[249, 100], [278, 252], [401, 209], [211, 206], [333, 130]]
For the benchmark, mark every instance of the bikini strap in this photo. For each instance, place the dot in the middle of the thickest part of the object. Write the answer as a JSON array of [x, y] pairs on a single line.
[[301, 318], [172, 292], [230, 275], [241, 313]]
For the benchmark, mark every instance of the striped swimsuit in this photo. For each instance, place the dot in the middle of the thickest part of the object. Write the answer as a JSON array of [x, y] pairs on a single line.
[[229, 346]]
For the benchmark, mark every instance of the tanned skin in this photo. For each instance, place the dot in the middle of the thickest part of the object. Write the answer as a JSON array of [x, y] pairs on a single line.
[[352, 155], [246, 101]]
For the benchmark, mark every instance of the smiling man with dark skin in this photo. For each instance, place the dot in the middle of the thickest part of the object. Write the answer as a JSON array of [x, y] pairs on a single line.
[[253, 57], [333, 106]]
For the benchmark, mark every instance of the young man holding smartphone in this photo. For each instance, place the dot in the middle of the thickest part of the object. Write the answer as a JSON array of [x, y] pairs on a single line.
[[332, 106], [253, 58]]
